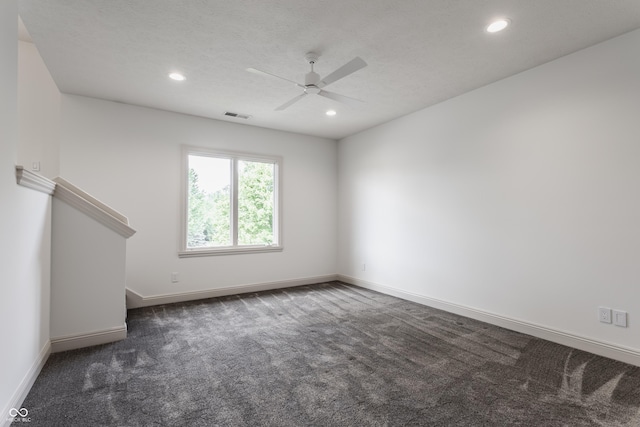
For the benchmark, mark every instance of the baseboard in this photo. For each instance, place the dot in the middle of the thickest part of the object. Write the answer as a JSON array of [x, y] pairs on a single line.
[[135, 300], [25, 385], [611, 351], [87, 340]]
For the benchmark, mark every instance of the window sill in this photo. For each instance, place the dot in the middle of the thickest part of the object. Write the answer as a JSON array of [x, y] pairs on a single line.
[[228, 251]]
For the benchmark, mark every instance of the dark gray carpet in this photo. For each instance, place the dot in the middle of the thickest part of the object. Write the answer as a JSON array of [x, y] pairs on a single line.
[[328, 355]]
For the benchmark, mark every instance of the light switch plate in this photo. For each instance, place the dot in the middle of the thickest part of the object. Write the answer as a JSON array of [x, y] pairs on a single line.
[[620, 318]]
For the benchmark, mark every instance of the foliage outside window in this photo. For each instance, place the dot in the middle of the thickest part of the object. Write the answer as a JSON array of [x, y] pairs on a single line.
[[231, 203]]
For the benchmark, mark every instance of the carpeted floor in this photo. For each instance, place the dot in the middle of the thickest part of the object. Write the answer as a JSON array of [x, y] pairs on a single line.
[[328, 355]]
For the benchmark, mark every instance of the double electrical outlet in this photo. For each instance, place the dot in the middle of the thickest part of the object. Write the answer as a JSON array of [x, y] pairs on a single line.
[[619, 317]]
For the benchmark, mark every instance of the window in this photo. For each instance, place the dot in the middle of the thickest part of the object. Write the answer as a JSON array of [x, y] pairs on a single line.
[[231, 203]]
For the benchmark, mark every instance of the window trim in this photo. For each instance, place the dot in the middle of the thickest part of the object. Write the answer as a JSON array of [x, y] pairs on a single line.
[[185, 252]]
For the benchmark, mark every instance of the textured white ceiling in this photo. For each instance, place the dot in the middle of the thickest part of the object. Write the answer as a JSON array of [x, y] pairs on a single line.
[[420, 52]]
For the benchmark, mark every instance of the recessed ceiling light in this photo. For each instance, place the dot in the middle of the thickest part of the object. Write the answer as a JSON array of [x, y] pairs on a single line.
[[177, 76], [331, 113], [498, 25]]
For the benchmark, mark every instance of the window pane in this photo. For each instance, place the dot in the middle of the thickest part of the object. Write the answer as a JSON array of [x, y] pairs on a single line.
[[209, 202], [255, 203]]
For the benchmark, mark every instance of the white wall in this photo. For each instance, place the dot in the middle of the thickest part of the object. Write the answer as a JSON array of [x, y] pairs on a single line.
[[24, 242], [87, 275], [519, 199], [38, 113], [130, 158]]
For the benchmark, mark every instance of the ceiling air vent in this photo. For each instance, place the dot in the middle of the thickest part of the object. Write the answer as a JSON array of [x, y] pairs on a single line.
[[236, 115]]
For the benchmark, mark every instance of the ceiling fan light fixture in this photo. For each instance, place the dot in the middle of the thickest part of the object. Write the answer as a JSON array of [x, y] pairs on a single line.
[[314, 85], [498, 25], [177, 76]]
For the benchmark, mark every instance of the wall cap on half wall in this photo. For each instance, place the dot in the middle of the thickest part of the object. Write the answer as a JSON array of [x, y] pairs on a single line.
[[35, 181], [92, 207]]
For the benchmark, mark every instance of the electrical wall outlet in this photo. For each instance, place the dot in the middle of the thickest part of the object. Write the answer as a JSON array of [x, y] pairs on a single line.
[[604, 314], [175, 277], [620, 318]]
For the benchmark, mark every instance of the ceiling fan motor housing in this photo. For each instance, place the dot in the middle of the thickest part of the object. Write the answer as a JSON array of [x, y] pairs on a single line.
[[311, 79]]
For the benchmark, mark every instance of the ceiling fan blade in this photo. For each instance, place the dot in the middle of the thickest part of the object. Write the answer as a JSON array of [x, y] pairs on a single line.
[[340, 98], [350, 67], [291, 102], [264, 73]]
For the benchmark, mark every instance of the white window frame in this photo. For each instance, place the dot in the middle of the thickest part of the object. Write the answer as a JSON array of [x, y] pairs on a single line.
[[235, 156]]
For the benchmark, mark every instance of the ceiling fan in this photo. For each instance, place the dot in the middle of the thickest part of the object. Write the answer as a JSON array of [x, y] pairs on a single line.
[[314, 85]]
